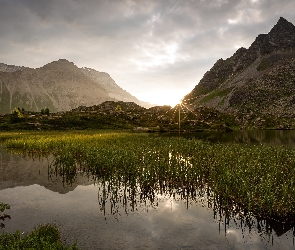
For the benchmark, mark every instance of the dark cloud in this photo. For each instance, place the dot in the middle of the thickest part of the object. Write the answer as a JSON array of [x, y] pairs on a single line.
[[145, 46]]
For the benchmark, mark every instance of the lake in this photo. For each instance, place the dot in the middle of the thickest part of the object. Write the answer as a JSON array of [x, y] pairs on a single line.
[[100, 216], [269, 137]]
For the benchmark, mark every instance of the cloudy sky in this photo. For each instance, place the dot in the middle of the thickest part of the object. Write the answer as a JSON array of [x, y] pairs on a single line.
[[158, 50]]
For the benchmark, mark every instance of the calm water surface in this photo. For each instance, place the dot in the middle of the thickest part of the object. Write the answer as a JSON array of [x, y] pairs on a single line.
[[86, 212], [269, 137]]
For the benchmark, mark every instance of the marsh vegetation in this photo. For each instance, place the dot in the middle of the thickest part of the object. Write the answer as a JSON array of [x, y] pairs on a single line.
[[236, 178]]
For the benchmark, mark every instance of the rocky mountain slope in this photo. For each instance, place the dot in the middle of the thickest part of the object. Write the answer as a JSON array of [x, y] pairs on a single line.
[[59, 86], [256, 81], [114, 91]]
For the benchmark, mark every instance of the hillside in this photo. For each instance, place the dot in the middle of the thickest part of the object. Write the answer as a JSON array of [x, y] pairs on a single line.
[[59, 86], [104, 79], [254, 83], [119, 115]]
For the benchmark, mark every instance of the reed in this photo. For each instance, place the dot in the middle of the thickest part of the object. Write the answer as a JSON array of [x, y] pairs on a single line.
[[256, 179]]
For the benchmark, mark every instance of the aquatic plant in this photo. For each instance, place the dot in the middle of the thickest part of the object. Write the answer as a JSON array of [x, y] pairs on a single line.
[[3, 216], [255, 179]]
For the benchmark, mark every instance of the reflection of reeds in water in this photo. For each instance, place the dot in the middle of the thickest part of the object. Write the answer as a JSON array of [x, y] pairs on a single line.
[[241, 178], [3, 216]]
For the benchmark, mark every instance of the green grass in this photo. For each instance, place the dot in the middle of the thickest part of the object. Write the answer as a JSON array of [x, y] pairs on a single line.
[[215, 93], [253, 178], [46, 237]]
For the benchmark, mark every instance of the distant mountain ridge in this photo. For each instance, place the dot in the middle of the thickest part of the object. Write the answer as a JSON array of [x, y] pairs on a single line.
[[114, 91], [10, 68], [259, 80], [59, 86]]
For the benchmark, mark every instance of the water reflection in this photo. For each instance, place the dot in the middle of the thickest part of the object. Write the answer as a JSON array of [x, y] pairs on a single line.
[[114, 202], [271, 137], [19, 170], [120, 195], [3, 215]]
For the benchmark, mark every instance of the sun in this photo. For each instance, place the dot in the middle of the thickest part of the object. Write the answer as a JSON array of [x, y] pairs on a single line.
[[164, 96], [172, 97], [172, 101]]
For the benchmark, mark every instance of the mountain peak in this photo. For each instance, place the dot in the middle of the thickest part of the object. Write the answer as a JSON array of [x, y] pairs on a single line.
[[282, 22], [283, 27], [280, 38], [61, 64]]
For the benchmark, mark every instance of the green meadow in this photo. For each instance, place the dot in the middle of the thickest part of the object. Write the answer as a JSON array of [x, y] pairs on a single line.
[[239, 178]]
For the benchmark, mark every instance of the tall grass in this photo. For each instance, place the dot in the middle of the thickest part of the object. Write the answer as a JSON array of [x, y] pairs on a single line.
[[254, 178]]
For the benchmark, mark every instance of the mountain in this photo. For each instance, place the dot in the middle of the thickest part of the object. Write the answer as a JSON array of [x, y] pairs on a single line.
[[259, 80], [10, 68], [59, 86], [114, 91]]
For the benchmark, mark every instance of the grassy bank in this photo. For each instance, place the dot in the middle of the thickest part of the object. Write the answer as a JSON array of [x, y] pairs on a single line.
[[44, 237], [249, 178]]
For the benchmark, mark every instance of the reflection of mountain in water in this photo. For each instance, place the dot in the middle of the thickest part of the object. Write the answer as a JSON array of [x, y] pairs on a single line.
[[23, 171]]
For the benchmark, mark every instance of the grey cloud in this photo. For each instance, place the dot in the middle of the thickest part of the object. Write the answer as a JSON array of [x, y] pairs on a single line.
[[139, 43]]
